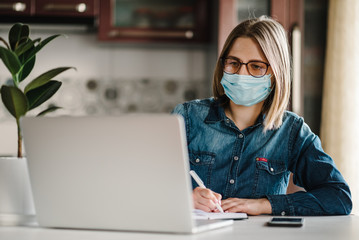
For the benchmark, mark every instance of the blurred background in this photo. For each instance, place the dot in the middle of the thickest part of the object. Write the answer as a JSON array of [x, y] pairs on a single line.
[[149, 55]]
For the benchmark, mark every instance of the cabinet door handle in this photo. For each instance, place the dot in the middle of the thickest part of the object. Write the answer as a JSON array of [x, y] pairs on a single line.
[[81, 7], [296, 85], [17, 7], [167, 34]]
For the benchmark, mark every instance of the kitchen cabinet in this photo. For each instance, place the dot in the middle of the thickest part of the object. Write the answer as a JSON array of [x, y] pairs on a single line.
[[156, 20], [309, 19], [16, 7], [45, 11], [74, 8]]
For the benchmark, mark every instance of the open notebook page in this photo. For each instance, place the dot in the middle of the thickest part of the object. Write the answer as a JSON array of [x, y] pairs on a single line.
[[199, 214]]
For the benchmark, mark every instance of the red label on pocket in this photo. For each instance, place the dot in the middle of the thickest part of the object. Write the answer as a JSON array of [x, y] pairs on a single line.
[[262, 159]]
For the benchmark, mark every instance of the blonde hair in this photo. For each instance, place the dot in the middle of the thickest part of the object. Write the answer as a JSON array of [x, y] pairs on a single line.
[[272, 38]]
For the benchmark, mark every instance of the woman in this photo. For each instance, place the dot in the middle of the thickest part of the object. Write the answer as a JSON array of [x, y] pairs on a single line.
[[243, 143]]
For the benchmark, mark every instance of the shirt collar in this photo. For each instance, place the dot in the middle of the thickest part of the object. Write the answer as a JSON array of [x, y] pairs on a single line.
[[216, 114]]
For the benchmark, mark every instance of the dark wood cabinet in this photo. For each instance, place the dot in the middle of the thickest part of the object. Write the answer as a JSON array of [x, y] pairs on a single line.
[[156, 20], [47, 11], [16, 7], [73, 8]]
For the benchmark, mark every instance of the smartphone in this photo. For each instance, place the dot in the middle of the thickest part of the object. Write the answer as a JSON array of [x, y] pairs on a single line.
[[286, 222]]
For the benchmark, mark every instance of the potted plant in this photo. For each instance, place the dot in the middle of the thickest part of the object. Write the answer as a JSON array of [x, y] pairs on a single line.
[[19, 56]]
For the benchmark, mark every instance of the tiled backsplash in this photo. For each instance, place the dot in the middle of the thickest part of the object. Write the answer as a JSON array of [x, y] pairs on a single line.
[[96, 97]]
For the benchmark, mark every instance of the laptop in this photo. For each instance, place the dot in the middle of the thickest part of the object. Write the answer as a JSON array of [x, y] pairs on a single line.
[[127, 172]]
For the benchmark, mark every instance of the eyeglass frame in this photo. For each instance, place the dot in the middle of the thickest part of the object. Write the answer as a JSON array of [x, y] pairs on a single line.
[[222, 59]]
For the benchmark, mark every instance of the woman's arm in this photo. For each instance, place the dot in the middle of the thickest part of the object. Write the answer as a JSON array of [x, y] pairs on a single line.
[[249, 206], [327, 193]]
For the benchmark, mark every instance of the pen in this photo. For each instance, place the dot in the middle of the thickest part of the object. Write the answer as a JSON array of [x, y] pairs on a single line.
[[201, 184]]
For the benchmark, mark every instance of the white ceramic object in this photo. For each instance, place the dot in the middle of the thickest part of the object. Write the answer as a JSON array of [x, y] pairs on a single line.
[[16, 201]]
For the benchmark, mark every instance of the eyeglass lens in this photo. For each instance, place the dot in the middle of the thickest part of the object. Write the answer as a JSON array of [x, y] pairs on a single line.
[[254, 68]]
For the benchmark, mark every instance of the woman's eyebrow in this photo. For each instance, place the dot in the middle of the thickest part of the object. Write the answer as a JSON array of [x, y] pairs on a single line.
[[234, 58], [250, 60]]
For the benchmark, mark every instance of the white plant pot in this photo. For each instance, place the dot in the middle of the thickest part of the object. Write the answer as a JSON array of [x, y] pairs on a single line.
[[16, 201]]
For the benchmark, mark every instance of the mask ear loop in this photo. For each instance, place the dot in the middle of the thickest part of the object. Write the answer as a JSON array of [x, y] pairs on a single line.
[[270, 97], [272, 85], [268, 102]]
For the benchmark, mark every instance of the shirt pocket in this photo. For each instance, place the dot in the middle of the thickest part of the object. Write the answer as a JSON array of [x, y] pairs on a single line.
[[202, 163], [271, 177]]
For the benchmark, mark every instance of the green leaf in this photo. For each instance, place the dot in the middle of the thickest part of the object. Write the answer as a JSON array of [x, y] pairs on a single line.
[[39, 95], [5, 43], [50, 109], [25, 52], [45, 42], [41, 44], [18, 34], [10, 60], [45, 78], [14, 100], [24, 47], [28, 63], [26, 69]]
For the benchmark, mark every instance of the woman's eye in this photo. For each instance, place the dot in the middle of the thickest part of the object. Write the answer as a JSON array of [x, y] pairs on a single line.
[[257, 66], [233, 63]]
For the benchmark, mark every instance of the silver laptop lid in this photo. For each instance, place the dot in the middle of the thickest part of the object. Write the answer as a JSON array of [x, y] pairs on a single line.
[[121, 173]]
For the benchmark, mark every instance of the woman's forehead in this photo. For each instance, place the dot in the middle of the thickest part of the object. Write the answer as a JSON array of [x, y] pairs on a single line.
[[246, 49]]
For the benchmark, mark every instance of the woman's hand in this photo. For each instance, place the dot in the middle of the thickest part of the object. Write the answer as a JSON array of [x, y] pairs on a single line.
[[205, 200], [249, 206]]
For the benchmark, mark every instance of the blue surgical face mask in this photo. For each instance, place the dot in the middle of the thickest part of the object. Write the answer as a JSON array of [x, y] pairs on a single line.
[[246, 90]]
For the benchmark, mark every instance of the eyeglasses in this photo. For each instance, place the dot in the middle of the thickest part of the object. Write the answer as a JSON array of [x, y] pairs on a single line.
[[254, 68]]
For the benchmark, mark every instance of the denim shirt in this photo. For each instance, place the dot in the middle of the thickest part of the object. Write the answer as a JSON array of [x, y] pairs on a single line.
[[256, 164]]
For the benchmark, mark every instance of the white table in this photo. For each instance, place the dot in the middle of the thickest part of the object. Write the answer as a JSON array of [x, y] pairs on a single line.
[[318, 228]]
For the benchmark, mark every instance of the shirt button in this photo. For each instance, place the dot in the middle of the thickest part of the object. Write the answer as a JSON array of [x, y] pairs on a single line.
[[231, 181], [236, 158], [198, 160], [282, 213], [227, 120], [240, 135], [271, 169]]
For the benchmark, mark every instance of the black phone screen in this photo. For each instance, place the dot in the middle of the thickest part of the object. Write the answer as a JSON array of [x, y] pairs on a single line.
[[279, 221]]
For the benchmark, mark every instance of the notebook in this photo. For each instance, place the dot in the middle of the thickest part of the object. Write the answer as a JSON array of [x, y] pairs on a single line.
[[199, 214], [127, 172]]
